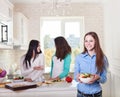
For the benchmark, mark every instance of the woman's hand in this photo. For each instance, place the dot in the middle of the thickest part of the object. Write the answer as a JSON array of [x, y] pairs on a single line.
[[28, 79], [57, 78], [38, 68], [95, 78], [78, 79], [54, 79], [50, 78]]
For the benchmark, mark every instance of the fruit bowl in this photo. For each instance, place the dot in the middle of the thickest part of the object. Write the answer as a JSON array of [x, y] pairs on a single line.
[[86, 77]]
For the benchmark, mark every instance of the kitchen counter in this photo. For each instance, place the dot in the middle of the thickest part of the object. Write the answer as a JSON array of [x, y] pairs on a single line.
[[56, 89]]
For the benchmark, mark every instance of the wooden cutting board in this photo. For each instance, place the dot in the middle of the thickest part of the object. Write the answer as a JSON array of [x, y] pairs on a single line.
[[20, 86]]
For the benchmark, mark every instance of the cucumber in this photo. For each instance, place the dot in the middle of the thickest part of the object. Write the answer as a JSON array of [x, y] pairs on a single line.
[[87, 74]]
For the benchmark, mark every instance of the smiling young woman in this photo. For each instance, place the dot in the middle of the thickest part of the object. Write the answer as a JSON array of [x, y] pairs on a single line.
[[93, 61]]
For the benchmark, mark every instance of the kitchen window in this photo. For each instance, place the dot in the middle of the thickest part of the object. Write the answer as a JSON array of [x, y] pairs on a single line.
[[69, 27]]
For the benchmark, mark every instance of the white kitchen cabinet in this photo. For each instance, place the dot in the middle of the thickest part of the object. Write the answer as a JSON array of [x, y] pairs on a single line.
[[6, 34], [20, 30], [6, 10], [6, 20]]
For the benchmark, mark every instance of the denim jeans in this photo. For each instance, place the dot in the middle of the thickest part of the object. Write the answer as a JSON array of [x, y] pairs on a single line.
[[82, 95]]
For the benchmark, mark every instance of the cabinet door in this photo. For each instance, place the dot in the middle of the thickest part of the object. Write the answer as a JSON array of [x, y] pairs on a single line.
[[20, 29], [6, 10], [24, 31]]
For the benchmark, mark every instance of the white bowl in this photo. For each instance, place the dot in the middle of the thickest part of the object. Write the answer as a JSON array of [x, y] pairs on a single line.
[[86, 80]]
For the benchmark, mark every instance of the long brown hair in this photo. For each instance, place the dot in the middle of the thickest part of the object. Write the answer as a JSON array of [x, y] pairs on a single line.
[[62, 47], [98, 50]]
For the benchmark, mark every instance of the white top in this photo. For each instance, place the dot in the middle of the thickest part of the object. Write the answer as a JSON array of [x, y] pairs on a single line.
[[58, 67], [35, 75]]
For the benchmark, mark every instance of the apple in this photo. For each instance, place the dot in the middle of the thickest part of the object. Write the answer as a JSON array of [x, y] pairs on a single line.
[[68, 79]]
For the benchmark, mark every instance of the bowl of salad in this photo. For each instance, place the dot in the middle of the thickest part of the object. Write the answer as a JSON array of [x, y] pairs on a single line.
[[86, 77]]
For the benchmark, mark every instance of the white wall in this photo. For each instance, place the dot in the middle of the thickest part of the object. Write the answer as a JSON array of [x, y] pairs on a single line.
[[112, 39], [92, 13]]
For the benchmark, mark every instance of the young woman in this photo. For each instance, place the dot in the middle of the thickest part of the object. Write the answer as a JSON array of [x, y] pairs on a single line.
[[32, 63], [61, 60], [93, 61]]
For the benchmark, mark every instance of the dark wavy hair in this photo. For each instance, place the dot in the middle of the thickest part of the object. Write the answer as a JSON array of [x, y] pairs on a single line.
[[62, 47], [98, 50], [32, 47]]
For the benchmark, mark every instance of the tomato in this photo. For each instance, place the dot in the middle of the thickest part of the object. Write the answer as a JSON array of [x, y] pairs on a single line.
[[68, 79]]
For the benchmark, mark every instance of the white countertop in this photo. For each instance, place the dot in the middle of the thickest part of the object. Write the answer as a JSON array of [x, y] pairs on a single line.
[[57, 89]]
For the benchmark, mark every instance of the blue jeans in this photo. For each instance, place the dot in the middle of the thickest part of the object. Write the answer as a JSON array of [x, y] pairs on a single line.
[[87, 95]]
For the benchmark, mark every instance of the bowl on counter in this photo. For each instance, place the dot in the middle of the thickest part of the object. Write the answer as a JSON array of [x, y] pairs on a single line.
[[18, 79]]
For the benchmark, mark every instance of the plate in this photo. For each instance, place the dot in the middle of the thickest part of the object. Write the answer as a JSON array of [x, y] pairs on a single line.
[[19, 80], [39, 83], [48, 82]]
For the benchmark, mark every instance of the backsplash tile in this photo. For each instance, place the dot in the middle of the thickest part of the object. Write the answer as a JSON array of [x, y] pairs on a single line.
[[8, 58]]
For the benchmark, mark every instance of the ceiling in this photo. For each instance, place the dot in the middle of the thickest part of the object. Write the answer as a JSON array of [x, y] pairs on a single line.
[[37, 1]]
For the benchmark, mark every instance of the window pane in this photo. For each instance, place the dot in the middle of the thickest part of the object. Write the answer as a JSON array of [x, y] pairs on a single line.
[[50, 30], [72, 28], [72, 34]]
